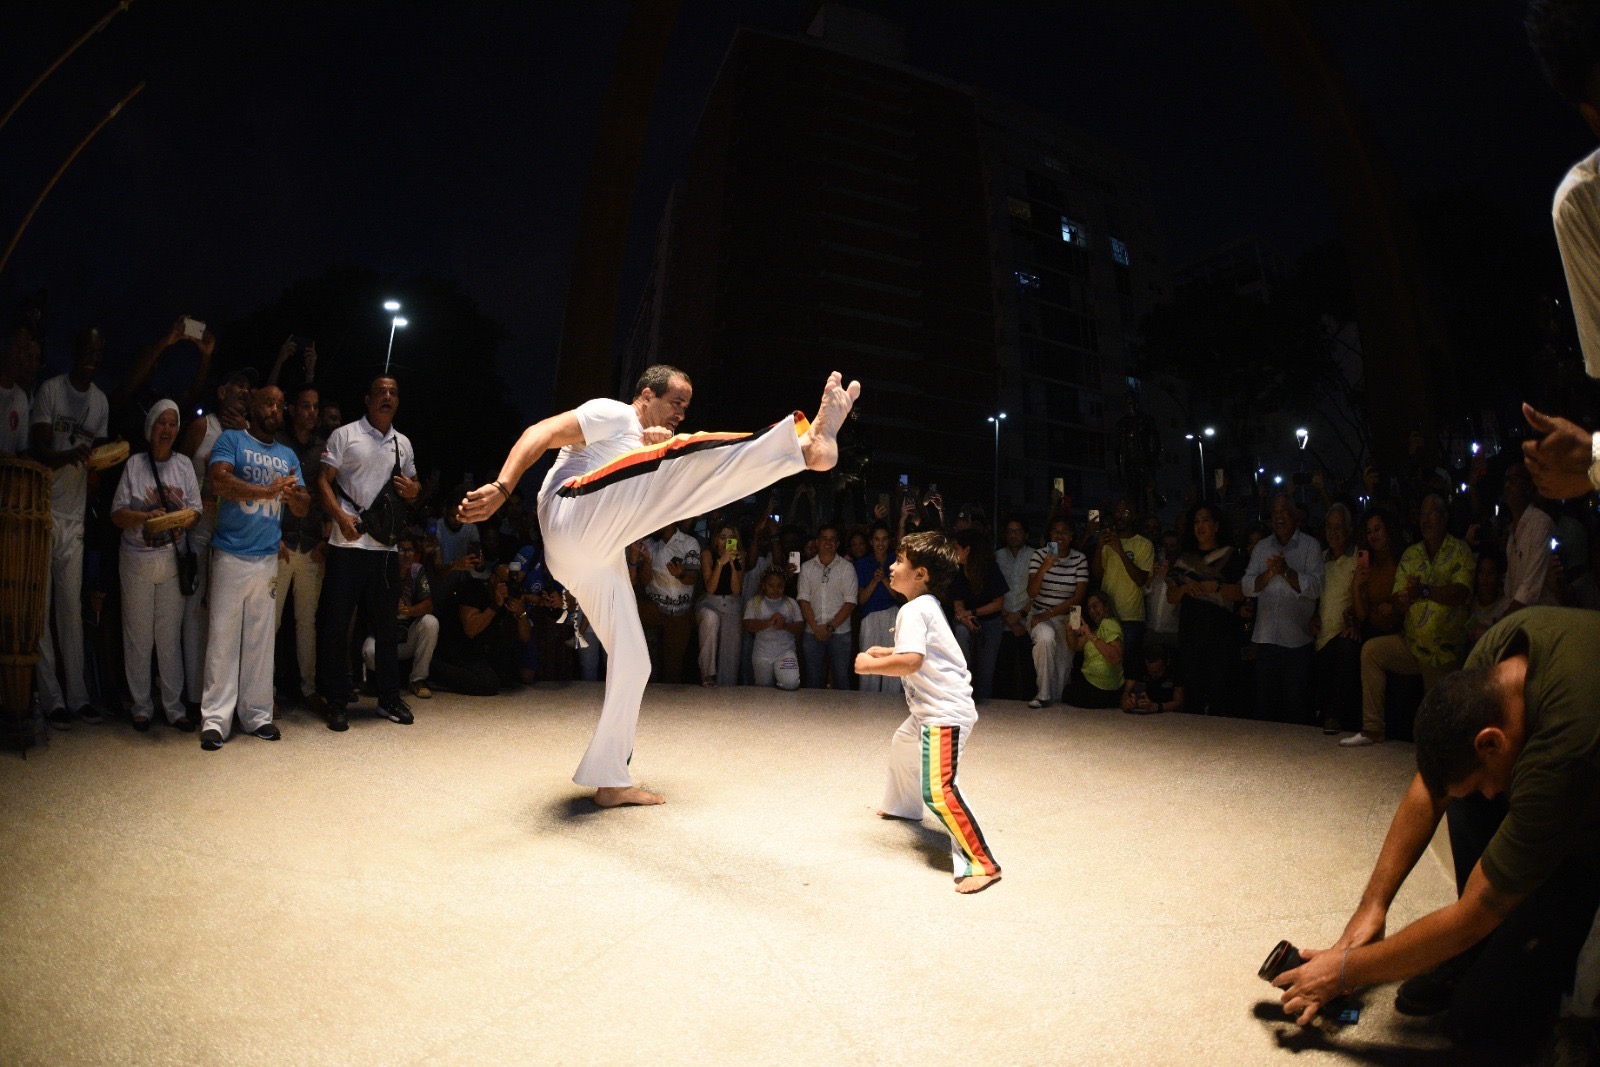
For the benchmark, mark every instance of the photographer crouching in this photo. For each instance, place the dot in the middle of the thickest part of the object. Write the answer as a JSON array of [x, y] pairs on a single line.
[[1507, 750]]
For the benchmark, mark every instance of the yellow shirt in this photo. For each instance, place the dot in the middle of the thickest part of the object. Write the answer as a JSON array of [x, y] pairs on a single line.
[[1127, 597], [1435, 634]]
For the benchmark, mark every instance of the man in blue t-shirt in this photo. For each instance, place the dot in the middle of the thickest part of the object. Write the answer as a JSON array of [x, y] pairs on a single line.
[[254, 477]]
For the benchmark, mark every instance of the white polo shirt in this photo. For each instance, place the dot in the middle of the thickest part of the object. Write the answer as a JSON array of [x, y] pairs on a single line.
[[827, 589], [363, 462]]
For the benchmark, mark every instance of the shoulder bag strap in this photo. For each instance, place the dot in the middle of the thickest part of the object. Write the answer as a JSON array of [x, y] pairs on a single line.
[[161, 494]]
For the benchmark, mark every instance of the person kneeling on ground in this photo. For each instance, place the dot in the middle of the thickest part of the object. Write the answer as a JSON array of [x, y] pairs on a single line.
[[1507, 747], [775, 621], [482, 629], [1159, 691], [1098, 636]]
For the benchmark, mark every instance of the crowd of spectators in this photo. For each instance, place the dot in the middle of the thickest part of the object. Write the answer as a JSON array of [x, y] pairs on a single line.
[[1316, 605]]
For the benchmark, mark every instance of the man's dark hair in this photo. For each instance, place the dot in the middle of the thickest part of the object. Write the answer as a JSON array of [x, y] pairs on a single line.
[[380, 376], [658, 378], [303, 388], [1157, 653], [932, 551], [1452, 715], [1565, 35]]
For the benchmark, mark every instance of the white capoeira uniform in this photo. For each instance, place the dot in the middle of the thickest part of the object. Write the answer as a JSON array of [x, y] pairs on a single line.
[[612, 491], [925, 753]]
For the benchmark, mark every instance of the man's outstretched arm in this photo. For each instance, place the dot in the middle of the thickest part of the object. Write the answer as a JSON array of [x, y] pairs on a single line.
[[558, 431]]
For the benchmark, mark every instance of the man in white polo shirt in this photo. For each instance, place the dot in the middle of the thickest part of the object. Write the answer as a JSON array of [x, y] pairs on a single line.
[[359, 462]]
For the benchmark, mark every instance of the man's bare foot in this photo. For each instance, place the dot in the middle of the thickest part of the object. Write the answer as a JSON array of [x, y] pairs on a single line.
[[616, 796], [976, 883], [820, 445]]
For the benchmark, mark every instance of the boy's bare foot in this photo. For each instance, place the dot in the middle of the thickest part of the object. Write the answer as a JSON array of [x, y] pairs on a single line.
[[616, 796], [976, 883], [889, 815], [820, 446]]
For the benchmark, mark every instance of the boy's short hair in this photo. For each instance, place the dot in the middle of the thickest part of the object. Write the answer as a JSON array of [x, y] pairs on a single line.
[[932, 551], [1157, 653]]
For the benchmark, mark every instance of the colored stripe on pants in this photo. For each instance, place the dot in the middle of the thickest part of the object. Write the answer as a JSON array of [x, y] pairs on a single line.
[[940, 745]]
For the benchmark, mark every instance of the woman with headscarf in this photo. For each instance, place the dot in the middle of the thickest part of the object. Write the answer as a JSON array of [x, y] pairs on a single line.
[[153, 485]]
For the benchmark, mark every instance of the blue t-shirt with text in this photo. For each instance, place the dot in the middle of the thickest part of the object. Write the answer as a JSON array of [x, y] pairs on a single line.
[[252, 527]]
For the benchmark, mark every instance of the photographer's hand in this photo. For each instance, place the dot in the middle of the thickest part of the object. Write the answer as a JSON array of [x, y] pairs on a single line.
[[1311, 985]]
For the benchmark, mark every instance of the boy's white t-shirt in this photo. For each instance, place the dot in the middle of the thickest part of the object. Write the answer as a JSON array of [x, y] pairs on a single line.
[[940, 691]]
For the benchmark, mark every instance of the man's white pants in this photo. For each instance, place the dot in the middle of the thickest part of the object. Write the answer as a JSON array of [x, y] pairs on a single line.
[[585, 537], [64, 594], [422, 637], [195, 617], [152, 614], [877, 630], [303, 575], [239, 644], [721, 621], [1051, 660]]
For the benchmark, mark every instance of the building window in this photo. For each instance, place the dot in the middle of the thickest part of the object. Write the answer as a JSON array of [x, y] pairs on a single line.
[[1119, 251], [1073, 232], [1026, 280], [1020, 209]]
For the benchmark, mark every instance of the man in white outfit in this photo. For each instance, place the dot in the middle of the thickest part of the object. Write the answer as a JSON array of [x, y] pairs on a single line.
[[621, 475]]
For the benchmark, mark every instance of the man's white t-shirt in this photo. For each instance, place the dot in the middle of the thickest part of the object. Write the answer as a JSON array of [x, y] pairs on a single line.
[[1576, 214], [74, 419], [940, 691], [770, 644], [610, 429], [827, 588], [14, 429]]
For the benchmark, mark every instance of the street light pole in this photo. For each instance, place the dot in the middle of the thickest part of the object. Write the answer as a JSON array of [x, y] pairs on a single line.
[[394, 323], [1200, 439], [994, 519]]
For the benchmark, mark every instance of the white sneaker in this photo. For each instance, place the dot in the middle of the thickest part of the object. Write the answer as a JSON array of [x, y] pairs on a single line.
[[1037, 703], [1357, 741]]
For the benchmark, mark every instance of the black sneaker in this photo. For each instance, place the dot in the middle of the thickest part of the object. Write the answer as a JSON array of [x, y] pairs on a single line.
[[268, 732], [60, 718], [188, 724], [395, 710], [210, 740], [142, 725], [1430, 993], [89, 715], [337, 720]]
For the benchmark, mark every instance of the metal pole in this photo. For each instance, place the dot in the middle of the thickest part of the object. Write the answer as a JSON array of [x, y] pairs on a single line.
[[994, 518], [96, 28], [62, 170], [393, 322]]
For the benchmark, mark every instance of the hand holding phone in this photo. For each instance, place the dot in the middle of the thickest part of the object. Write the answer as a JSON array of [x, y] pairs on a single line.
[[1075, 617]]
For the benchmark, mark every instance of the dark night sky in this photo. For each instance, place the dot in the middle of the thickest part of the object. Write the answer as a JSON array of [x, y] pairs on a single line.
[[275, 140]]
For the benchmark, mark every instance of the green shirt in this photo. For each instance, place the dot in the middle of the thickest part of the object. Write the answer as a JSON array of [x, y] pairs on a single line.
[[1126, 597], [1555, 786], [1435, 634], [1097, 670]]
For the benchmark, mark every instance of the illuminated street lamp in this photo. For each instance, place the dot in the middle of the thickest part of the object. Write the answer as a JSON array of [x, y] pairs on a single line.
[[1199, 439], [394, 324]]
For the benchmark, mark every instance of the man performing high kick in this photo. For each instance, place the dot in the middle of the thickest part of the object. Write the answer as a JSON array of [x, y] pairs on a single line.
[[624, 472]]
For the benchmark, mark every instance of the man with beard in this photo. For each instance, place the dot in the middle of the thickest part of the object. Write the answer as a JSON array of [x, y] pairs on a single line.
[[622, 473], [253, 476]]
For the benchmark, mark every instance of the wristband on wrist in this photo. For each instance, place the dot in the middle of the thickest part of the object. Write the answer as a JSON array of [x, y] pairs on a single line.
[[503, 490]]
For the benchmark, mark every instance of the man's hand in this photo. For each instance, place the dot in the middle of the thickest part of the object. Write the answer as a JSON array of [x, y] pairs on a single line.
[[1308, 987], [286, 350], [1559, 459], [310, 360], [233, 420], [480, 503], [283, 552], [819, 631], [347, 526], [654, 435], [408, 488]]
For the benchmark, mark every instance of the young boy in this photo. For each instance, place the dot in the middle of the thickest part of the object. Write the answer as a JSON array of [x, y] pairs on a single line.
[[927, 748]]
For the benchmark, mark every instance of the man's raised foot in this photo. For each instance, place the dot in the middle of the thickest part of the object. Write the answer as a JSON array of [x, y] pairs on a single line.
[[820, 445], [617, 796]]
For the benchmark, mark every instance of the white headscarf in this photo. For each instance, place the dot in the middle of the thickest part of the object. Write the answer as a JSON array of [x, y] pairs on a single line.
[[155, 413]]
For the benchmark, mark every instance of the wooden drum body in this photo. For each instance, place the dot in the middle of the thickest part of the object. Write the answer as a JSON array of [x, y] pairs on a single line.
[[24, 574]]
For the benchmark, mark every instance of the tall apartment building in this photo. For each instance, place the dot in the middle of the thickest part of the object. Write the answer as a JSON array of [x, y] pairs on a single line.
[[959, 254]]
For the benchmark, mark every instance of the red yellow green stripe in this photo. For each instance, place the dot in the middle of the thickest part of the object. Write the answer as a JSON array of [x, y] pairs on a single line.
[[940, 746], [648, 457]]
